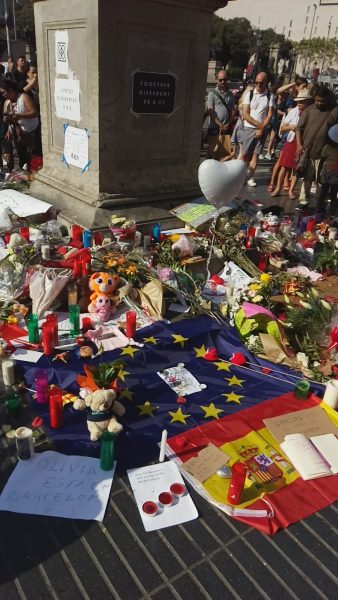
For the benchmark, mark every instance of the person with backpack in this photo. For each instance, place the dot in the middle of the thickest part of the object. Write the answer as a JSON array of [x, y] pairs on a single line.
[[221, 105], [258, 106]]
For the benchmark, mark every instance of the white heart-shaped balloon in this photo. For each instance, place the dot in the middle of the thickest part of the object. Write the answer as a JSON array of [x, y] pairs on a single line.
[[220, 182]]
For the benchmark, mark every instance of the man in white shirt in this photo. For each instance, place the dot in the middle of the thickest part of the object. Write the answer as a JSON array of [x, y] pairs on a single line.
[[257, 113]]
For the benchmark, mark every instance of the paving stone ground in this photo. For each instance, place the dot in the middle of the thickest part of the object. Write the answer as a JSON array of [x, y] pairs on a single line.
[[213, 558]]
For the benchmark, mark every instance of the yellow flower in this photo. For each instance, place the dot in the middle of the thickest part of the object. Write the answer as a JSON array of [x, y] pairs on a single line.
[[12, 320], [255, 286], [265, 278], [131, 270], [257, 299]]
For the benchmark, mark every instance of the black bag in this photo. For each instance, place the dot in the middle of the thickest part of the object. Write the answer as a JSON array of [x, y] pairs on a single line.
[[303, 162]]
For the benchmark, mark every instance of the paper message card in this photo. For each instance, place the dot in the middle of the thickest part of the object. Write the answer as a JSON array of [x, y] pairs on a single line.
[[56, 485], [310, 422], [148, 483], [61, 52], [76, 147], [21, 204], [197, 212], [67, 99], [208, 461]]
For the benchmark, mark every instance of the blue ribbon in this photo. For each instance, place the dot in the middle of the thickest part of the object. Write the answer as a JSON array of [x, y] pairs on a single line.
[[86, 167]]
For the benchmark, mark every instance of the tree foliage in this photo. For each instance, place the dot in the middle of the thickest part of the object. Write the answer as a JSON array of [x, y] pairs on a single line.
[[233, 41], [318, 49]]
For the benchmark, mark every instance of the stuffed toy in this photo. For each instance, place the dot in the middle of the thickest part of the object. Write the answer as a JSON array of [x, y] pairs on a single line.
[[101, 284], [102, 307], [102, 407]]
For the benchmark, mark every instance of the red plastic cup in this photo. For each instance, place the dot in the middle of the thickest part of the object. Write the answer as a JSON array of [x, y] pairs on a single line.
[[166, 499], [177, 489], [130, 323], [149, 508], [237, 481]]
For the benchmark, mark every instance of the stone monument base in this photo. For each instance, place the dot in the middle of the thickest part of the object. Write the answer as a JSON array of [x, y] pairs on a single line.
[[95, 213]]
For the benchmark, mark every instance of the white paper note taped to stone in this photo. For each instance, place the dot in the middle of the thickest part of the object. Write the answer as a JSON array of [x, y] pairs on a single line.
[[61, 52], [67, 99], [56, 485], [76, 147]]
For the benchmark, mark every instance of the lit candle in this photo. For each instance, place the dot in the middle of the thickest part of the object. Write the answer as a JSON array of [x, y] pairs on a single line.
[[130, 323], [55, 408], [41, 386], [237, 481], [163, 445], [47, 338], [8, 373], [53, 321]]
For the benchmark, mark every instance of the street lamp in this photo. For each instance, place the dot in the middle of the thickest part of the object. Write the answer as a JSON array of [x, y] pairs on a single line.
[[310, 37], [327, 41], [258, 49]]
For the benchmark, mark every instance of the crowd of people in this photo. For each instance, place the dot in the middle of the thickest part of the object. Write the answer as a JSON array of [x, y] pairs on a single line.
[[298, 120], [20, 126]]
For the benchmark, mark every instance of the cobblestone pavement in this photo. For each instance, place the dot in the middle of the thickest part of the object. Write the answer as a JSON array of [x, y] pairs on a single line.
[[213, 557]]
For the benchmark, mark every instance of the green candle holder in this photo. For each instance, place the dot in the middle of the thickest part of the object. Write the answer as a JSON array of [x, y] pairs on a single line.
[[74, 319], [302, 389], [13, 403], [33, 329], [107, 452]]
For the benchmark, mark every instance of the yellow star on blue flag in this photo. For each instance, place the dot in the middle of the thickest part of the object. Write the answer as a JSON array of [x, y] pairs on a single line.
[[179, 339], [232, 397], [129, 351], [211, 411], [178, 416]]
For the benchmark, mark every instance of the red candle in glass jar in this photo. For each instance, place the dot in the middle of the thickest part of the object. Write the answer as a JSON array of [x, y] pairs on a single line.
[[55, 408], [98, 238], [130, 323], [237, 481], [77, 268], [311, 224], [53, 321], [24, 231], [47, 338], [86, 324], [86, 263], [7, 237], [77, 232]]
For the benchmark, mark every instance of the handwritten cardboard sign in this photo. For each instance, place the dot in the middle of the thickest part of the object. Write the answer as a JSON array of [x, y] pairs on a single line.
[[206, 463], [52, 484], [310, 422]]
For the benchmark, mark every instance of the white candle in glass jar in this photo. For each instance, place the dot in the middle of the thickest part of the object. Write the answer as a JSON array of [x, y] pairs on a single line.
[[8, 374]]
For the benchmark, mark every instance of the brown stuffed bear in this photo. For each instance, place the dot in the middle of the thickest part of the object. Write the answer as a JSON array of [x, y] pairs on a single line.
[[102, 405]]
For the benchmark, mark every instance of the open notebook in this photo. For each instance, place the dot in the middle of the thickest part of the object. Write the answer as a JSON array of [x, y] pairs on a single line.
[[314, 457]]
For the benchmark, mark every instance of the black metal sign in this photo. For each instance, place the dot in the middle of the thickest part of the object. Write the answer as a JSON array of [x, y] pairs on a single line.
[[153, 93]]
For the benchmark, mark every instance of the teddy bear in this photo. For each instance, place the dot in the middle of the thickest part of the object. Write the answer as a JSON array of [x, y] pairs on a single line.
[[101, 284], [101, 405], [102, 307]]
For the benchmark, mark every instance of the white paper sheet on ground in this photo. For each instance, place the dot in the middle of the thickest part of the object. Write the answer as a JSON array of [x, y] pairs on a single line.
[[27, 355], [234, 274], [76, 147], [61, 52], [180, 380], [67, 99], [56, 485], [23, 205], [148, 483]]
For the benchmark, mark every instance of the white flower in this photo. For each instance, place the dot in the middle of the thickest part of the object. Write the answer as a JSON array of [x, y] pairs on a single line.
[[302, 359]]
